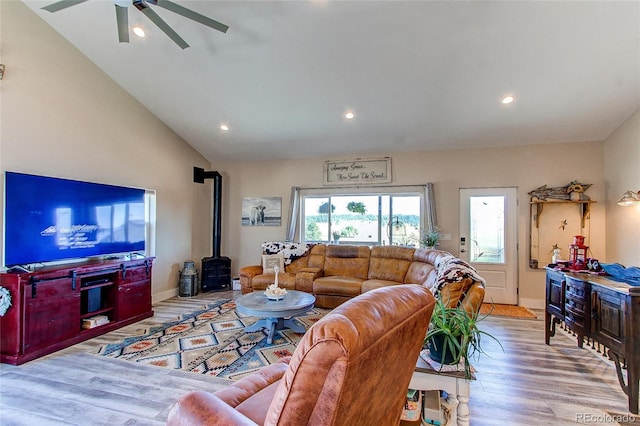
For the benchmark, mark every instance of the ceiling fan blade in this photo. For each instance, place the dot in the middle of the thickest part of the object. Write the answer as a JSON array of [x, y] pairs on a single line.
[[59, 5], [188, 13], [160, 23], [122, 16]]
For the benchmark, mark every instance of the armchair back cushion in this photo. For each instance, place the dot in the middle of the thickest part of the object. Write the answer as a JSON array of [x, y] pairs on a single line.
[[354, 365]]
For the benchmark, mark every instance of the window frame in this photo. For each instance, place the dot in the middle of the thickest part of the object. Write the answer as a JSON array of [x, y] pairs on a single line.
[[390, 191]]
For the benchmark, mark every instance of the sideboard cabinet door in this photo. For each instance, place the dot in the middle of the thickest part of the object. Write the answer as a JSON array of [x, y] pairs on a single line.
[[52, 315], [608, 317]]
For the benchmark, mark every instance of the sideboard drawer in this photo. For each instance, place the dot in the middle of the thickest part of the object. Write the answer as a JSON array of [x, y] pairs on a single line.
[[576, 305]]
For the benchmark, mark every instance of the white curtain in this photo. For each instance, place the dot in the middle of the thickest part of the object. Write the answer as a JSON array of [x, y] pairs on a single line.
[[430, 208], [294, 213]]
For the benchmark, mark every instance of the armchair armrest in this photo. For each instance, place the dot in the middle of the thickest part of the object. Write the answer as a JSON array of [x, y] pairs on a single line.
[[305, 278], [203, 408], [246, 275]]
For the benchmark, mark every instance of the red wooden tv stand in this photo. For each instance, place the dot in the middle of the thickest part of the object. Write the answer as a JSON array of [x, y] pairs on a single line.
[[56, 307]]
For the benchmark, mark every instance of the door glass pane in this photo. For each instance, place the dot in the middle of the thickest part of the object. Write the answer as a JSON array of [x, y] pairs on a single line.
[[486, 220]]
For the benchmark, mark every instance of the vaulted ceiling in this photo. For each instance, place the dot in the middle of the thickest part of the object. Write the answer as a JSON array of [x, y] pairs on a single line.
[[418, 75]]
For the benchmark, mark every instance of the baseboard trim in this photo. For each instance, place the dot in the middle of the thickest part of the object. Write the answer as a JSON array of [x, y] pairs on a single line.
[[168, 294]]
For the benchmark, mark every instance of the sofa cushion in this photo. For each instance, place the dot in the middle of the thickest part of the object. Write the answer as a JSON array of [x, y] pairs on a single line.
[[316, 256], [337, 285], [369, 285], [390, 263], [285, 280], [350, 261], [423, 274]]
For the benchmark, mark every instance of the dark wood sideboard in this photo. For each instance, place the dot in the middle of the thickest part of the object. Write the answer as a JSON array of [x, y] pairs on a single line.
[[602, 312], [52, 307]]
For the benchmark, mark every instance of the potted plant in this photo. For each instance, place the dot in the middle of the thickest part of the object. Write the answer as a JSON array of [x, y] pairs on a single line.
[[454, 336], [430, 238]]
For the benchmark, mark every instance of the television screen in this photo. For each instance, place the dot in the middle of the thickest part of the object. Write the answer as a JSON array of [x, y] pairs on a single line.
[[50, 219]]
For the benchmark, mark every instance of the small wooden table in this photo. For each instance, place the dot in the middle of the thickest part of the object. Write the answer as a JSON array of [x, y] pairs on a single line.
[[454, 383], [274, 314]]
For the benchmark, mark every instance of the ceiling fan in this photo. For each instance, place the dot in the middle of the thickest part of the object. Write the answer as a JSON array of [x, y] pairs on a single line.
[[143, 6]]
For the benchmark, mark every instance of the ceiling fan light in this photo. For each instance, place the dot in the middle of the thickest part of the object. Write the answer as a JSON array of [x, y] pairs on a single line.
[[122, 3]]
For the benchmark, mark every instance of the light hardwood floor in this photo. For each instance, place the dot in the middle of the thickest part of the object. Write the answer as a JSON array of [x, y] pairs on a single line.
[[529, 384]]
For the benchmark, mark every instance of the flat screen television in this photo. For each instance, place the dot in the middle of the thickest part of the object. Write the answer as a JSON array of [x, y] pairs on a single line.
[[49, 219]]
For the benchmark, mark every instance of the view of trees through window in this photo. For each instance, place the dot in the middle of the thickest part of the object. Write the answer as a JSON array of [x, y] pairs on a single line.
[[362, 219]]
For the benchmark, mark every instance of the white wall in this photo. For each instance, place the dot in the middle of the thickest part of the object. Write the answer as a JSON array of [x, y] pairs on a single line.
[[622, 173], [63, 117], [525, 167]]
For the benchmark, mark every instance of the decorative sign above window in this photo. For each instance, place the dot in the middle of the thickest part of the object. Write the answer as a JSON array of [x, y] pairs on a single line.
[[357, 172]]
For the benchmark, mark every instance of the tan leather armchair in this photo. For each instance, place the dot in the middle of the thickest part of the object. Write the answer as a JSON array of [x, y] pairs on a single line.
[[352, 367]]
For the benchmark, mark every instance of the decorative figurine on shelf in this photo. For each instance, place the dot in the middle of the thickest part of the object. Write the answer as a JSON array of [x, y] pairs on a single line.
[[556, 254], [573, 191]]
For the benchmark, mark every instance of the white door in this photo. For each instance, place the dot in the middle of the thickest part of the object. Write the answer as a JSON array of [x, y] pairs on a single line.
[[488, 239]]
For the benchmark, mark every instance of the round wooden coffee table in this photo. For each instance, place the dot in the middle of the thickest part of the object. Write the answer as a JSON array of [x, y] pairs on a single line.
[[274, 314]]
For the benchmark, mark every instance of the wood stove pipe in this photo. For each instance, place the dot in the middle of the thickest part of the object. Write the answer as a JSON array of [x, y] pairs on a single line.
[[199, 175]]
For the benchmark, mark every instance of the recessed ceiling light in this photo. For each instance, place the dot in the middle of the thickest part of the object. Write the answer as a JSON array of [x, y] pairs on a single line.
[[138, 31], [507, 99], [349, 115], [224, 127]]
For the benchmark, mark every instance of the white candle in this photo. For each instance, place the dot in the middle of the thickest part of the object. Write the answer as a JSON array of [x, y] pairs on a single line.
[[276, 270]]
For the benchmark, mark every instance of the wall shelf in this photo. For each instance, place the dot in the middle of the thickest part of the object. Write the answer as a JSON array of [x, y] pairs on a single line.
[[561, 221], [583, 205]]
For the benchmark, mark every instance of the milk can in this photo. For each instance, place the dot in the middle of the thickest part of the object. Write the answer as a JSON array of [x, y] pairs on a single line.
[[188, 285]]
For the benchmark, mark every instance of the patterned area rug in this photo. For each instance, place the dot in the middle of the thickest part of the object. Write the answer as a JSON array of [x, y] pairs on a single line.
[[510, 311], [210, 341]]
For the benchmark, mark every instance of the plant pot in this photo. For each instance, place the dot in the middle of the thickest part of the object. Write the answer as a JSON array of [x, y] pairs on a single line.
[[437, 352]]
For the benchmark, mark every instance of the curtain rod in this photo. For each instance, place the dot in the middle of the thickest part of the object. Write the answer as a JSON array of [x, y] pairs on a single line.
[[360, 187]]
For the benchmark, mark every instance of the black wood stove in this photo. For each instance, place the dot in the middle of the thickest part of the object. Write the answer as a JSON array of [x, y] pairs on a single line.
[[215, 273]]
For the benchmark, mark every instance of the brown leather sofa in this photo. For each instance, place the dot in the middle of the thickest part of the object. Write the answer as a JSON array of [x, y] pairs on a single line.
[[337, 273], [352, 367]]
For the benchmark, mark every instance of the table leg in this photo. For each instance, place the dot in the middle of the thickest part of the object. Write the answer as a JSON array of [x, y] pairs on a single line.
[[258, 325], [272, 329], [268, 323], [463, 403], [292, 325]]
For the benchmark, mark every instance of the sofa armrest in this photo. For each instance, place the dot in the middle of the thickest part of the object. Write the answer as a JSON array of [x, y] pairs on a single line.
[[246, 275], [305, 278], [473, 298], [466, 294], [203, 408]]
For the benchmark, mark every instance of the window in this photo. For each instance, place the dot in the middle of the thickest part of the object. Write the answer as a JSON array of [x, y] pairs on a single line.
[[365, 219]]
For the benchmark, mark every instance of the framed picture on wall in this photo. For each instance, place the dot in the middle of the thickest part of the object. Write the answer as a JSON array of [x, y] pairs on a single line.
[[262, 211]]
